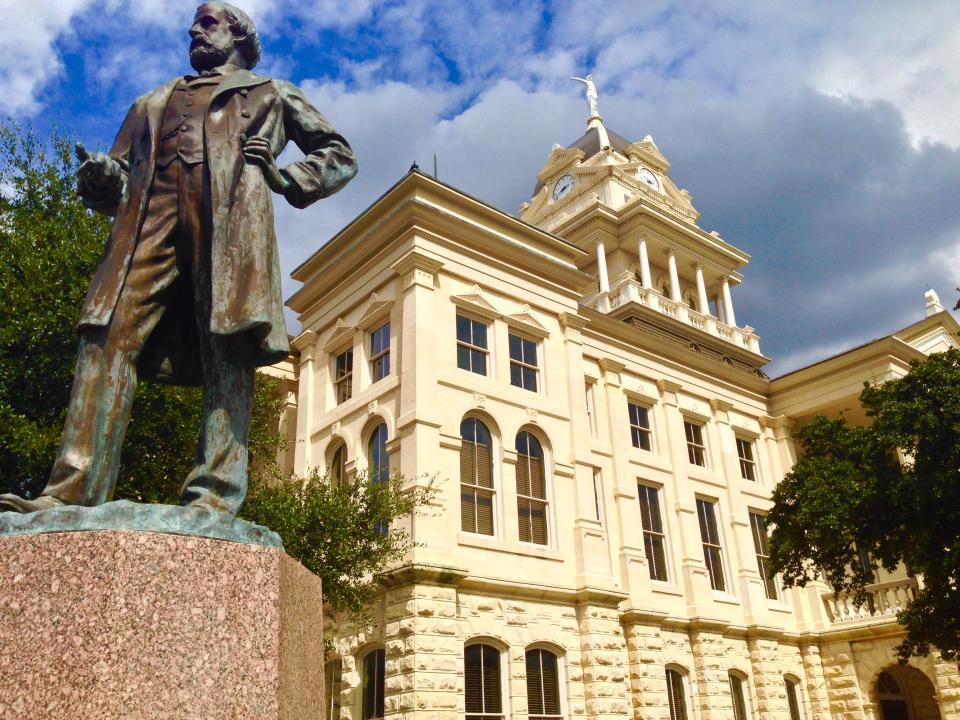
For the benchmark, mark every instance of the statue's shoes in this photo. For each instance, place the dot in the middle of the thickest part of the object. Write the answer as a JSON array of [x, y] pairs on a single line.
[[14, 503]]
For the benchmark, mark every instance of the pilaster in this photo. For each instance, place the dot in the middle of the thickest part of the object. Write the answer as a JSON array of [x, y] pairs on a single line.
[[306, 344]]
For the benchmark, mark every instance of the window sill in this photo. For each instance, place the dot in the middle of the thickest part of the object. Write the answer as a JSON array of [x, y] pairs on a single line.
[[665, 588], [488, 542], [780, 607], [724, 597]]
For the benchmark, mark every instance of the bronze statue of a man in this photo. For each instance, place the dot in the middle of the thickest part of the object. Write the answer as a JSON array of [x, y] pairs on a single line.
[[188, 290]]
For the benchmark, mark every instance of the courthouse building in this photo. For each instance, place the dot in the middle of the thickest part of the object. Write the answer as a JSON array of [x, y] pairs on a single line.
[[605, 441]]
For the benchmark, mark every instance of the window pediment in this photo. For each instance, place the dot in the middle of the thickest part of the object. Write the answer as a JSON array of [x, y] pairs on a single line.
[[377, 310], [340, 337], [525, 322], [475, 304]]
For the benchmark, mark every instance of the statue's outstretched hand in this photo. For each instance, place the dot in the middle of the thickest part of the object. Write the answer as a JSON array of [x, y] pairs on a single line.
[[99, 175], [257, 150]]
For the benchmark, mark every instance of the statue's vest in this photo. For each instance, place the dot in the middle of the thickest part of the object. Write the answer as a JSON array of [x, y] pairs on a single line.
[[181, 133]]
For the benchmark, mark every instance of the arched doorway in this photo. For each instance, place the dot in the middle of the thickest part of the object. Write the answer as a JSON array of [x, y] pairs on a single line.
[[905, 693]]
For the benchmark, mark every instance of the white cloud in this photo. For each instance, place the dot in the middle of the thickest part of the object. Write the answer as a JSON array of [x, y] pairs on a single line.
[[28, 58]]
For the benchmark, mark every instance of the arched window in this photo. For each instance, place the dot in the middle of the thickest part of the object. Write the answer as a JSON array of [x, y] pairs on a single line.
[[378, 462], [738, 695], [476, 477], [483, 687], [337, 472], [373, 667], [543, 685], [676, 694], [531, 490], [331, 688], [793, 697]]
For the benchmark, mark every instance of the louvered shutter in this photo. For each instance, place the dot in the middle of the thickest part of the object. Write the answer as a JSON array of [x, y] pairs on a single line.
[[678, 704]]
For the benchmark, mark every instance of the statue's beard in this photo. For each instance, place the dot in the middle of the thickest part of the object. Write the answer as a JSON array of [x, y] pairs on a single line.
[[206, 56]]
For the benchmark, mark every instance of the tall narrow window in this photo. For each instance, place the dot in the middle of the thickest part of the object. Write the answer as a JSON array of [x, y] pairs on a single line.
[[710, 537], [476, 478], [343, 376], [758, 526], [523, 363], [696, 450], [380, 352], [738, 696], [793, 698], [591, 408], [654, 542], [482, 685], [639, 426], [598, 494], [543, 685], [471, 345], [748, 466], [331, 688], [531, 490], [373, 667], [338, 465], [378, 463], [676, 696]]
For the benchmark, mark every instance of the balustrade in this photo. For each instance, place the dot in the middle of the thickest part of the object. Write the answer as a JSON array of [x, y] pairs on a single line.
[[884, 600]]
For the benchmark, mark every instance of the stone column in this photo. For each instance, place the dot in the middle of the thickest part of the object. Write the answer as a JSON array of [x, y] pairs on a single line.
[[674, 277], [721, 316], [814, 682], [604, 660], [701, 291], [729, 317], [423, 649], [306, 343], [645, 265], [418, 424], [602, 266]]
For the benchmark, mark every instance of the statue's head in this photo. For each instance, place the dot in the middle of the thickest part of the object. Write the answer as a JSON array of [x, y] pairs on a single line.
[[220, 31]]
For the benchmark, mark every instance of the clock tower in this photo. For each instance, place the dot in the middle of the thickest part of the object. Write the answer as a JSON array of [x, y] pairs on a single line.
[[653, 265]]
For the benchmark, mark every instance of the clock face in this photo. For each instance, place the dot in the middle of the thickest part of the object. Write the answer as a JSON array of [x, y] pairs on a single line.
[[648, 178], [563, 186]]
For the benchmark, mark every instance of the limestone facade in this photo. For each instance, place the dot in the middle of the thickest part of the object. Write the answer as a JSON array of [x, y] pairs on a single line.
[[633, 564]]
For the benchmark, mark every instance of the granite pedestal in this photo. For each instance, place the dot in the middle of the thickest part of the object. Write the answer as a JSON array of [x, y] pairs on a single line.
[[128, 624]]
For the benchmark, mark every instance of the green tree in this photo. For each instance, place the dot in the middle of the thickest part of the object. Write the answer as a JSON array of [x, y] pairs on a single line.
[[51, 246], [850, 506], [337, 529]]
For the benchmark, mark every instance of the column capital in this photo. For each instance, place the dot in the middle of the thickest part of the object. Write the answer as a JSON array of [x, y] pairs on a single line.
[[305, 343], [417, 268]]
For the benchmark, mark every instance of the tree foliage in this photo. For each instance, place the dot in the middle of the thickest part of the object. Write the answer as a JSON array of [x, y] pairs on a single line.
[[850, 506], [50, 246], [338, 530]]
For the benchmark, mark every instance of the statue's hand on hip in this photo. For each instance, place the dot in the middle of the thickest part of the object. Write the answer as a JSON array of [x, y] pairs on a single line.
[[257, 150]]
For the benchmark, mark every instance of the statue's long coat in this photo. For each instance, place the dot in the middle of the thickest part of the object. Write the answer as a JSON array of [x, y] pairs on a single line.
[[244, 262]]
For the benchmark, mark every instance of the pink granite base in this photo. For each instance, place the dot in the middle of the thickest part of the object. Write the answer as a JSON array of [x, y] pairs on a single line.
[[120, 624]]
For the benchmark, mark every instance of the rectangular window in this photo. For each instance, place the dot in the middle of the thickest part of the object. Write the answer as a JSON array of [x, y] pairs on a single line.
[[380, 352], [654, 541], [640, 434], [758, 525], [343, 376], [748, 466], [710, 537], [523, 363], [598, 494], [696, 450], [471, 345], [591, 410]]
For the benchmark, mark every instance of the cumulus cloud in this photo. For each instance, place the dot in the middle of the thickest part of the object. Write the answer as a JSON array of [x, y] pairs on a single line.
[[814, 137]]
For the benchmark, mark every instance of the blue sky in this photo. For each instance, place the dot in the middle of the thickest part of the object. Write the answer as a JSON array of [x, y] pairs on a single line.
[[820, 137]]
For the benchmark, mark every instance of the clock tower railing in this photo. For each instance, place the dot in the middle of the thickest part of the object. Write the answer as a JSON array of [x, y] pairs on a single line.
[[627, 290]]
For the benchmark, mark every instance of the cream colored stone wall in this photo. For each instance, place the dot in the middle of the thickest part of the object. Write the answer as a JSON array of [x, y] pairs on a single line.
[[587, 594]]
